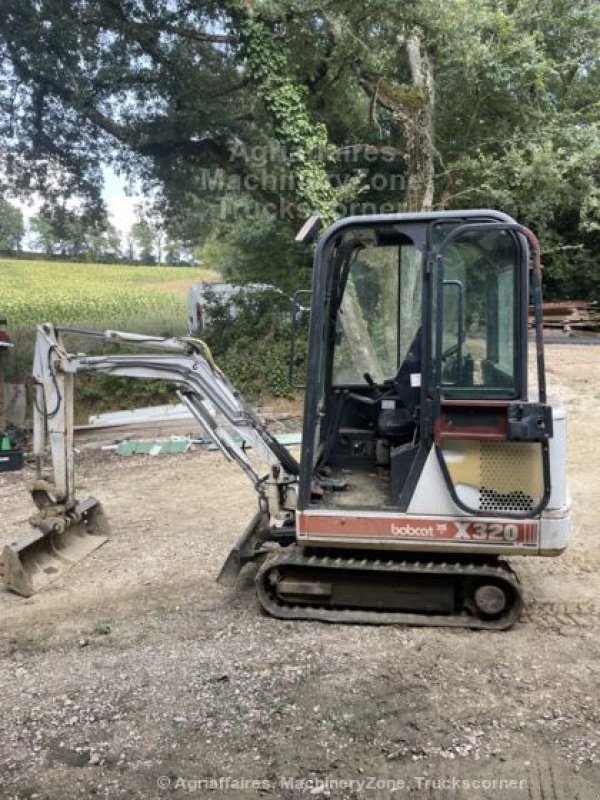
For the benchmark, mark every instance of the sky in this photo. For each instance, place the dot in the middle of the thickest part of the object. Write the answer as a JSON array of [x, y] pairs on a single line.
[[121, 208]]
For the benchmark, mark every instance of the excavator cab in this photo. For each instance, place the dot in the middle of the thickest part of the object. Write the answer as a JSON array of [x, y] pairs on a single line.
[[419, 348]]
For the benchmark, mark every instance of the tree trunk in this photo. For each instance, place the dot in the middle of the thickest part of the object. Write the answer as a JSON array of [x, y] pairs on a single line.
[[413, 107], [418, 127]]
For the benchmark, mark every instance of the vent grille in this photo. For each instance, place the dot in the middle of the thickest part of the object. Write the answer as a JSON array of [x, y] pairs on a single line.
[[489, 500], [504, 465]]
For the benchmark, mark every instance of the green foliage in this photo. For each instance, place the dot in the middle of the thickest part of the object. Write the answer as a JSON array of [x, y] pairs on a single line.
[[549, 183], [250, 341], [108, 393], [11, 226], [81, 234], [143, 236], [101, 628], [257, 250], [145, 299], [304, 139], [516, 114]]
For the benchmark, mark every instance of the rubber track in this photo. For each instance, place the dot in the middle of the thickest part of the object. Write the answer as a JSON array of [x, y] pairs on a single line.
[[294, 558]]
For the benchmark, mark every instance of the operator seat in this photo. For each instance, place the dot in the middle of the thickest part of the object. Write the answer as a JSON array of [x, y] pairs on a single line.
[[398, 424]]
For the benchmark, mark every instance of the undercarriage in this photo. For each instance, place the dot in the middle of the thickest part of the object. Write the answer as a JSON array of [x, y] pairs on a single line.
[[300, 583]]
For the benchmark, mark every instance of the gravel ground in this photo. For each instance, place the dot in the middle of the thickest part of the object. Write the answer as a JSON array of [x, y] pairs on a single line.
[[137, 676]]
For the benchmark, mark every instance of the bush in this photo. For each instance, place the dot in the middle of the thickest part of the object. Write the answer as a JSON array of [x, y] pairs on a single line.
[[250, 340]]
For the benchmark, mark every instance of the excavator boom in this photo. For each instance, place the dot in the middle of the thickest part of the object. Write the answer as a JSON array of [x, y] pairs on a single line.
[[65, 530]]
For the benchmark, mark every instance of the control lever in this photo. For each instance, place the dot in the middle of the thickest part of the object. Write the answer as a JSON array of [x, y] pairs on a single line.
[[369, 380]]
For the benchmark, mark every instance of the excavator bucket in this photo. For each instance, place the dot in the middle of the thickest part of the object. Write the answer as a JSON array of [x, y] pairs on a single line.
[[55, 543]]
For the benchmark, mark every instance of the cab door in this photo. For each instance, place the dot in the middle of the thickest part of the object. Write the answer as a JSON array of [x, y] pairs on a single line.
[[491, 440]]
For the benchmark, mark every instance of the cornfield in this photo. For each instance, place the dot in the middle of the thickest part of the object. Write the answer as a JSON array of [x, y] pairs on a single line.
[[36, 291]]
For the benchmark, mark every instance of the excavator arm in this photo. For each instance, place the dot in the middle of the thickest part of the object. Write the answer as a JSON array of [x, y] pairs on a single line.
[[65, 529]]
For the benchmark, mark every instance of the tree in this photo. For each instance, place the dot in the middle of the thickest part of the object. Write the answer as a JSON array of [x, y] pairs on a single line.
[[143, 236], [103, 243], [164, 98], [11, 226], [254, 248], [74, 233], [470, 104], [45, 237]]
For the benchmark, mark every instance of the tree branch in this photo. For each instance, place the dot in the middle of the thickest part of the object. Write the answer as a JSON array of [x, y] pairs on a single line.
[[219, 154], [68, 96], [189, 33]]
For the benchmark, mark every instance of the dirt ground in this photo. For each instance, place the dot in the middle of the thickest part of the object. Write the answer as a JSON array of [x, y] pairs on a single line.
[[138, 677]]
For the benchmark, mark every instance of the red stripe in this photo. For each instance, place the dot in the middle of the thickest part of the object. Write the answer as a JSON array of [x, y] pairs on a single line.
[[476, 531]]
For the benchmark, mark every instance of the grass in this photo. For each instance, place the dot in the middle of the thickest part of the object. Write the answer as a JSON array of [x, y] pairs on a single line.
[[101, 628], [36, 291], [121, 297]]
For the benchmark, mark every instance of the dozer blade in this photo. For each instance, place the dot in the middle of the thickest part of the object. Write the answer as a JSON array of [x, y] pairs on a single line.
[[56, 542]]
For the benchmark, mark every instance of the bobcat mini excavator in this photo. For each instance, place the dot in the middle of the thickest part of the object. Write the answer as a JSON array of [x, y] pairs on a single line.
[[426, 457]]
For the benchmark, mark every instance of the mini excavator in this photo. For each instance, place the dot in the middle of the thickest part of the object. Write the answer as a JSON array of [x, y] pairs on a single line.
[[429, 451]]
